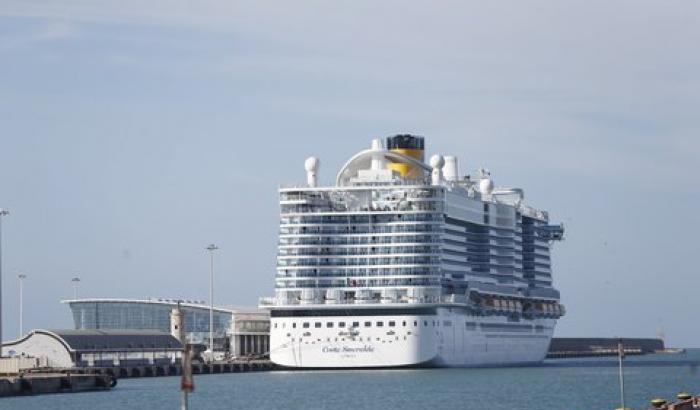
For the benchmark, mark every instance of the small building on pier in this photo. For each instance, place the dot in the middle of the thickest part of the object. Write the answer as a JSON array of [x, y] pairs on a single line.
[[97, 348]]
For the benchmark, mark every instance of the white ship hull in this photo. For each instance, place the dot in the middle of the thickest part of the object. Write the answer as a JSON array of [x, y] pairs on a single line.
[[448, 339]]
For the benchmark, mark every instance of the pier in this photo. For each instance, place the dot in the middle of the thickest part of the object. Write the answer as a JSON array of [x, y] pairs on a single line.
[[62, 382], [235, 366]]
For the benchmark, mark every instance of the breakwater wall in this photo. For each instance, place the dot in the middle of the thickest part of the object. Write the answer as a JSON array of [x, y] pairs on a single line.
[[562, 347]]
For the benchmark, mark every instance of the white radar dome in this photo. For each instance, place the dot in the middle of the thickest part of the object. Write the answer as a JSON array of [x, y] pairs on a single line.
[[486, 186], [311, 164], [437, 161]]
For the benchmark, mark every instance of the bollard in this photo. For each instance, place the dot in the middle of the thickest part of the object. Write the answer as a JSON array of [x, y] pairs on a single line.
[[684, 396], [658, 403]]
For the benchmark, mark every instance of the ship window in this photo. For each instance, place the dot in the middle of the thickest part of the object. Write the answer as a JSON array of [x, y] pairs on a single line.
[[447, 323], [380, 324], [355, 324], [425, 323], [329, 324], [415, 323], [368, 324], [294, 325], [404, 323], [306, 325], [317, 325], [392, 324], [341, 324], [275, 325]]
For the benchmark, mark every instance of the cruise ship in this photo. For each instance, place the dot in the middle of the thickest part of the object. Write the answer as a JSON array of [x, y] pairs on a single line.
[[406, 264]]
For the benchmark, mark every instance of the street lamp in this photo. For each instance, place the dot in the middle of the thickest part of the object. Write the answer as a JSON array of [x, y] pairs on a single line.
[[21, 277], [211, 248], [3, 212], [76, 281]]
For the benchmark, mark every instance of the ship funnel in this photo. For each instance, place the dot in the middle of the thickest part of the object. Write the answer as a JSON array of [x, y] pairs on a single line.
[[311, 165], [410, 145], [451, 169]]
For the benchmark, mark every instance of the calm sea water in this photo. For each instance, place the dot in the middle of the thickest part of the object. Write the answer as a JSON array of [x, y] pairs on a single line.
[[586, 384]]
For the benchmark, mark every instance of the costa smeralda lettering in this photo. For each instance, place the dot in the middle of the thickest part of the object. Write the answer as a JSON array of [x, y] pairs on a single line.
[[348, 349]]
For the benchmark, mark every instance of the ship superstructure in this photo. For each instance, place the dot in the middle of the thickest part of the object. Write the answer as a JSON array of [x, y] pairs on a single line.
[[403, 263]]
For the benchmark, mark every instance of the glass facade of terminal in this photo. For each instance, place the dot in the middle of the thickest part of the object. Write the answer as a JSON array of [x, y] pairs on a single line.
[[150, 316]]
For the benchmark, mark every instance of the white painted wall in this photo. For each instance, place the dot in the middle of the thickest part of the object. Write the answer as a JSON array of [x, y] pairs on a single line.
[[41, 345]]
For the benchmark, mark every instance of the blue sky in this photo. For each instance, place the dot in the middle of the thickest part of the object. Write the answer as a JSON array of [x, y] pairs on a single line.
[[131, 136]]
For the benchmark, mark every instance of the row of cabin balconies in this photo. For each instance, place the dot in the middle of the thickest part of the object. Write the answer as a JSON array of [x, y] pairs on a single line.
[[359, 261], [483, 241], [360, 251], [480, 258], [537, 251], [347, 240], [358, 273], [536, 266], [361, 219], [355, 283], [341, 208], [535, 258], [351, 271], [477, 235], [388, 194], [360, 229], [535, 276], [478, 267], [542, 246], [475, 250]]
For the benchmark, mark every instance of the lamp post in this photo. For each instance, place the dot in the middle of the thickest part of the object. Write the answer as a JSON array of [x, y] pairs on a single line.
[[3, 212], [620, 357], [21, 277], [211, 248], [75, 281]]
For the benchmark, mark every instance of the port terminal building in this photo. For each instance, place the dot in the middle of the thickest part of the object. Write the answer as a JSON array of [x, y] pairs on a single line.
[[69, 348], [238, 332]]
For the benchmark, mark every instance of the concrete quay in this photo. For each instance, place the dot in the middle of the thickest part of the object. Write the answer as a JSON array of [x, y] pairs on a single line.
[[46, 383], [236, 366]]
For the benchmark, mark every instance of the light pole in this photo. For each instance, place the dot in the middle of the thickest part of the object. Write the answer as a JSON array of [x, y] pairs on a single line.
[[620, 357], [211, 248], [75, 281], [21, 277], [3, 212]]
